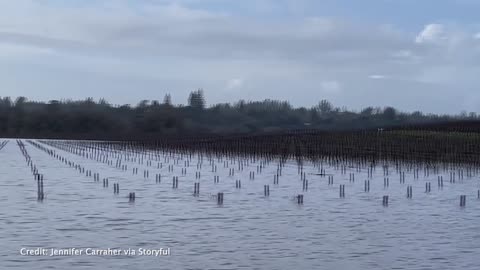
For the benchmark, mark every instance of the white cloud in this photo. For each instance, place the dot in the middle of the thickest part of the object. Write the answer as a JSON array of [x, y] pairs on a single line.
[[402, 54], [9, 50], [234, 84], [431, 33], [377, 77], [330, 86]]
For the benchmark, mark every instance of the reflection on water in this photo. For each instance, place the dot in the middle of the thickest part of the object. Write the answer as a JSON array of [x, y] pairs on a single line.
[[248, 231]]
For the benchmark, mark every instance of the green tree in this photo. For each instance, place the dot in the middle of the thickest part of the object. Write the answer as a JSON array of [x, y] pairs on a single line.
[[367, 111], [389, 113], [324, 106]]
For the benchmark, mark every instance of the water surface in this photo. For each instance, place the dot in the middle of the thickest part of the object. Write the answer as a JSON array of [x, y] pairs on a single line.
[[249, 231]]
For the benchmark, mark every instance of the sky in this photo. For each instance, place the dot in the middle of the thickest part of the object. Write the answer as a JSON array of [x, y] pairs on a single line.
[[410, 54]]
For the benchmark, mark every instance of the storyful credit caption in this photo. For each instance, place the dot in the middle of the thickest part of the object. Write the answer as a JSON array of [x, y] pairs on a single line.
[[94, 252]]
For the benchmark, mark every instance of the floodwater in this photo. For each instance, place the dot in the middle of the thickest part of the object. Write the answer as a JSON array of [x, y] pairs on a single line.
[[249, 231]]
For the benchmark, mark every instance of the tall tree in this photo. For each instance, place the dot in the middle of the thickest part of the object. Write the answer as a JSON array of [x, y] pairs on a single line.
[[324, 106], [197, 100], [167, 100]]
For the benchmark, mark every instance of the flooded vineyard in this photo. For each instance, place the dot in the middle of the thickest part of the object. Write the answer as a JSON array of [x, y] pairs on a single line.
[[262, 204]]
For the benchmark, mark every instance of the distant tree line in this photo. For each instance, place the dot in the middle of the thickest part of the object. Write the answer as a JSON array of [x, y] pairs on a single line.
[[148, 119]]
